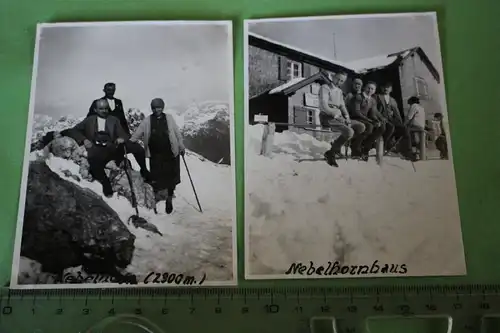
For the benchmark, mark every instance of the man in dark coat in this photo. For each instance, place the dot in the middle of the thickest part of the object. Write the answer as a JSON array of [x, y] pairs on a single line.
[[115, 105], [396, 131], [105, 138], [363, 108], [357, 85], [164, 146]]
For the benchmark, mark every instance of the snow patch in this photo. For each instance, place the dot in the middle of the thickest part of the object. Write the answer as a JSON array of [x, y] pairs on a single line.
[[356, 214], [365, 64]]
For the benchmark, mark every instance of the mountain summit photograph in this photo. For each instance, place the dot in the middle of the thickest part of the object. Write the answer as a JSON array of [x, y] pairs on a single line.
[[128, 177]]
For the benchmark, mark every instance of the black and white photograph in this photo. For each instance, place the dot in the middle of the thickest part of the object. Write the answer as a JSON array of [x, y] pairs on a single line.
[[348, 162], [128, 178]]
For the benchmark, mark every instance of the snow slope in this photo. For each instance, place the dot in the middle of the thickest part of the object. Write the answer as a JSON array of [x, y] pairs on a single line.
[[355, 214], [193, 243]]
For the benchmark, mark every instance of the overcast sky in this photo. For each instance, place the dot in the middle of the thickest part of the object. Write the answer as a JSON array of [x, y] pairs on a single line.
[[356, 38], [179, 63]]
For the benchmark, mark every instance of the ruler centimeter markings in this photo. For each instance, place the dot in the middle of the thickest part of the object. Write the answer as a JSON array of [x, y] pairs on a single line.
[[472, 308]]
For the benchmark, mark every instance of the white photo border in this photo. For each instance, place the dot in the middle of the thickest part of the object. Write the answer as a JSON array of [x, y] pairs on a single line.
[[29, 132], [442, 99]]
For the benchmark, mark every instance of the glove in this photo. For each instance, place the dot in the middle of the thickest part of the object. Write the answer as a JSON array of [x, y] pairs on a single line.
[[182, 152], [87, 144]]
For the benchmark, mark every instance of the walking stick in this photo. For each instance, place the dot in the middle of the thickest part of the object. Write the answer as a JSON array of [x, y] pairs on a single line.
[[192, 184], [136, 219]]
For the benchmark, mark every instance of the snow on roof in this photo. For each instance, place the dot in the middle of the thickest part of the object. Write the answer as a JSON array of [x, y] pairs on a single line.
[[361, 65], [335, 62], [405, 53], [380, 61], [286, 85]]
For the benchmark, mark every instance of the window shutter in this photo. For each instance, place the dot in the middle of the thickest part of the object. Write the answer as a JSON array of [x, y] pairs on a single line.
[[306, 70], [282, 61]]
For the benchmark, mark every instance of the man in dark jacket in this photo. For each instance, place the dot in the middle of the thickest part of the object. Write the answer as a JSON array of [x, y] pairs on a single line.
[[104, 138], [115, 105], [395, 128], [357, 85], [389, 109], [363, 108]]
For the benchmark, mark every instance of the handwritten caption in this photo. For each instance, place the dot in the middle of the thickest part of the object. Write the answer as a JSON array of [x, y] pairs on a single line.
[[335, 268], [150, 278]]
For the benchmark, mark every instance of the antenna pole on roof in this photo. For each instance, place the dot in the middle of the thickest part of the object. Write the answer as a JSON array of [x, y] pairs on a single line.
[[334, 48]]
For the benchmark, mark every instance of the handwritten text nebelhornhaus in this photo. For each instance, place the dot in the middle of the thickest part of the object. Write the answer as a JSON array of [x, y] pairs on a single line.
[[335, 268]]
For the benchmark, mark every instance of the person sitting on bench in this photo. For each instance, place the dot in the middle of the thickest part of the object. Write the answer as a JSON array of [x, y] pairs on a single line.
[[363, 108], [105, 139], [357, 85], [333, 114], [396, 135]]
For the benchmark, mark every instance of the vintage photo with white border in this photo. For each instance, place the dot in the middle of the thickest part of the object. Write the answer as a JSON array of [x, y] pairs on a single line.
[[348, 163], [128, 178]]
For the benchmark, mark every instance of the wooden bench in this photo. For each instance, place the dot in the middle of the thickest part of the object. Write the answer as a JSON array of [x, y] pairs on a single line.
[[270, 129]]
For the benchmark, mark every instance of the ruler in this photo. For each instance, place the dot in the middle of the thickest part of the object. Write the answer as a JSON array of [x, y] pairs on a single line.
[[424, 309]]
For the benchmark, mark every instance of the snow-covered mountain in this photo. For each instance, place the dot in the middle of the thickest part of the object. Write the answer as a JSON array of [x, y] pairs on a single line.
[[42, 124], [204, 126], [198, 116], [193, 242]]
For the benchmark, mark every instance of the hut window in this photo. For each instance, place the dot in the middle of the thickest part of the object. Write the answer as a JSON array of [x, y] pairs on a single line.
[[293, 70], [310, 117], [421, 87]]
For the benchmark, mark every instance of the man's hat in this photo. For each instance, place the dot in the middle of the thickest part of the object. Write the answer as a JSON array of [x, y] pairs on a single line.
[[157, 102], [413, 100]]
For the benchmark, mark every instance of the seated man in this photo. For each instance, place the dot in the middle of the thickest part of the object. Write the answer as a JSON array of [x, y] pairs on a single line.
[[105, 139], [333, 114], [395, 132], [363, 108]]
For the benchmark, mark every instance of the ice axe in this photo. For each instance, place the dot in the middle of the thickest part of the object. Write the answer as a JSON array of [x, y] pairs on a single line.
[[136, 220], [192, 184]]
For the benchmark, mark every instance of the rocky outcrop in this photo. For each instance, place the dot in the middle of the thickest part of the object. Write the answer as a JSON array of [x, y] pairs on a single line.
[[134, 118], [68, 226], [67, 148]]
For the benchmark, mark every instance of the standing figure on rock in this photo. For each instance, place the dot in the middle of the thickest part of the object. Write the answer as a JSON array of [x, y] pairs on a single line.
[[115, 106], [105, 140], [163, 144]]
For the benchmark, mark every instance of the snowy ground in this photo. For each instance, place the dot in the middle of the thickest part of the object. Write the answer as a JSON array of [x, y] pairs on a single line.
[[356, 214], [193, 243]]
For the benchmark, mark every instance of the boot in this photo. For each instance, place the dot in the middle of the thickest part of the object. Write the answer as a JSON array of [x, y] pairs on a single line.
[[365, 153], [330, 158], [168, 205], [107, 190]]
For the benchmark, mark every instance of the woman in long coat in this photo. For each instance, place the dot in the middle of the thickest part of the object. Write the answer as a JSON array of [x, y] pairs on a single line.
[[163, 145]]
